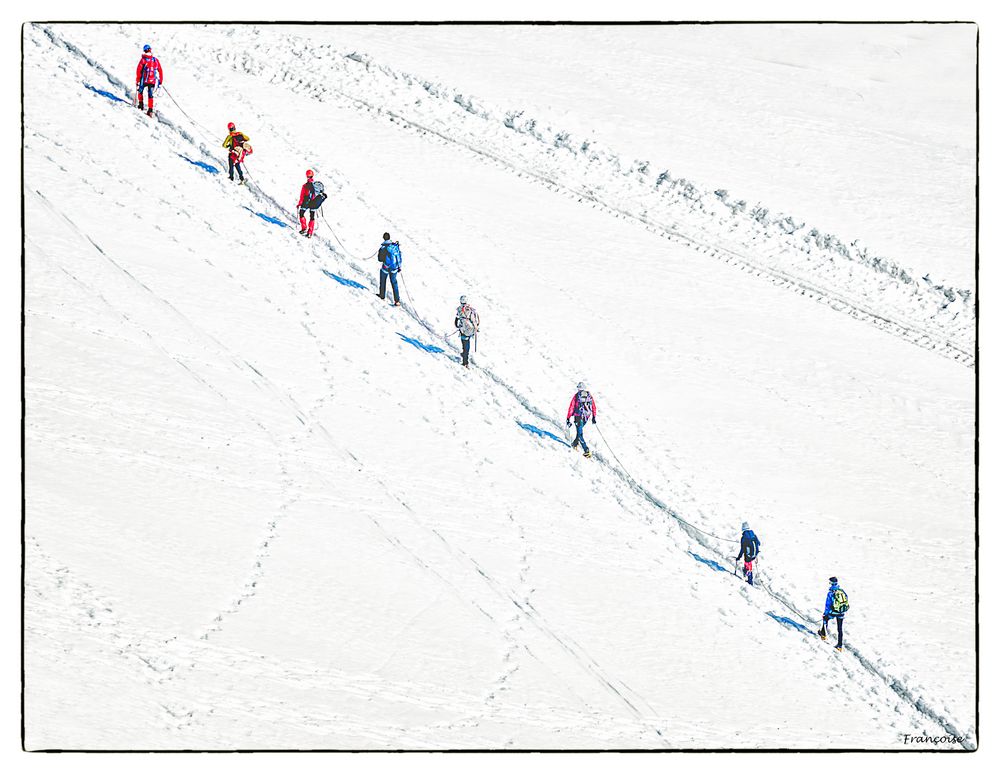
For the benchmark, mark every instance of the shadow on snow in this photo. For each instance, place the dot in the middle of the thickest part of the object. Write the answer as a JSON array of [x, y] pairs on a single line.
[[200, 164], [541, 433], [790, 623], [417, 343], [710, 562], [343, 280], [261, 215], [108, 94]]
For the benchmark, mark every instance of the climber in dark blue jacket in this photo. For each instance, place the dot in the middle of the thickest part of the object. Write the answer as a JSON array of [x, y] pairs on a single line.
[[749, 550], [391, 258]]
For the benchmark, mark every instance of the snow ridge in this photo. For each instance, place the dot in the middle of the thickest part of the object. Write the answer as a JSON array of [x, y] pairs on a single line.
[[780, 247]]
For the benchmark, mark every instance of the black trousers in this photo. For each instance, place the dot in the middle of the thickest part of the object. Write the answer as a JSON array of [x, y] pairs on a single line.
[[840, 627], [239, 168], [466, 342]]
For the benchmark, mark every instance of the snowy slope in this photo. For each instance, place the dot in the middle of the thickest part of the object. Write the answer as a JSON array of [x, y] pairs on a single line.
[[265, 511]]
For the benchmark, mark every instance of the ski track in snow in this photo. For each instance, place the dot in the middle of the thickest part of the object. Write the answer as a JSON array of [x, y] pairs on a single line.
[[271, 531], [955, 343], [510, 609]]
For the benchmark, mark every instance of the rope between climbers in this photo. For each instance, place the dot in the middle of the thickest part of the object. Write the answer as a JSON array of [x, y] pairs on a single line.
[[408, 296], [208, 135], [639, 486], [336, 239]]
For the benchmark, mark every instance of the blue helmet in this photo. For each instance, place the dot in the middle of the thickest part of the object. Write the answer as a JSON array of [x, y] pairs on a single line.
[[147, 48]]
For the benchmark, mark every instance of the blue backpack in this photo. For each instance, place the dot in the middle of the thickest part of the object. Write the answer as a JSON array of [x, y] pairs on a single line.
[[393, 256]]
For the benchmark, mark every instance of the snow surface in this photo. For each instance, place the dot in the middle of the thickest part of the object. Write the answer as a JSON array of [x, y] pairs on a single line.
[[264, 512]]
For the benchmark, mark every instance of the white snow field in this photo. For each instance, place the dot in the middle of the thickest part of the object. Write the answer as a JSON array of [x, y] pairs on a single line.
[[266, 510]]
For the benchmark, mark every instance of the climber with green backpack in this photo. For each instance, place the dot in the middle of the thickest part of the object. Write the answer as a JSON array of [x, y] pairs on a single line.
[[836, 607]]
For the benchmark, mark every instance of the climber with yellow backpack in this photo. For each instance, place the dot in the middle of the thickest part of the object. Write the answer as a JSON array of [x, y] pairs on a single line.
[[836, 607], [238, 145]]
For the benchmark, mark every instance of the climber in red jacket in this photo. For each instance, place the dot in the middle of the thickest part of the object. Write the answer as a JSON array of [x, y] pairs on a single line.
[[148, 75]]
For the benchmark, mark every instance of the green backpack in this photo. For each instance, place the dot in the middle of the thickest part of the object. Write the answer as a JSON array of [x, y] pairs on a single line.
[[840, 604]]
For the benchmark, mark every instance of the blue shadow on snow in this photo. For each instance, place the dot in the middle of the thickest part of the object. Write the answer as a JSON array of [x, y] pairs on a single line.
[[541, 433], [790, 623], [200, 164], [268, 218], [420, 344], [108, 94], [344, 280], [710, 562]]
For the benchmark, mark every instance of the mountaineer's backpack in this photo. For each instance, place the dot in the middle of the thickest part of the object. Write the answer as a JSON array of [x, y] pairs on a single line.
[[318, 197], [467, 320], [839, 604], [584, 406]]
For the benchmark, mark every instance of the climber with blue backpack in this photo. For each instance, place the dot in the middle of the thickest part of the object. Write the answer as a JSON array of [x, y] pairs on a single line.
[[836, 607], [582, 409], [391, 258], [749, 550]]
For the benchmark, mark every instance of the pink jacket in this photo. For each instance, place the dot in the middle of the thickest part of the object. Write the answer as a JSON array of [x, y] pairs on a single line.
[[575, 404]]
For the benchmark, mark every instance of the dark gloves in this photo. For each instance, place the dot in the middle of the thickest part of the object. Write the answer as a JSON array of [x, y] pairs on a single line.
[[594, 420], [567, 423]]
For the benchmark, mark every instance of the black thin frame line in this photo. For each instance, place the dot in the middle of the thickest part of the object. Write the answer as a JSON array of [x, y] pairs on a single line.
[[23, 464], [507, 22], [520, 750], [976, 444]]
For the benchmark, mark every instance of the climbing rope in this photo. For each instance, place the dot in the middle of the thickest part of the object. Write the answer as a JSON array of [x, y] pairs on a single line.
[[336, 239], [408, 296], [639, 486], [208, 134]]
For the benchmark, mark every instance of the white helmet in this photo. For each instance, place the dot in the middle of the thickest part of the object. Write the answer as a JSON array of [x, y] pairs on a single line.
[[745, 526], [463, 300], [581, 386]]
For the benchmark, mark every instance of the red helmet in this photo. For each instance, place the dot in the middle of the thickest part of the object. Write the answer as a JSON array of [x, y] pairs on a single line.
[[309, 173], [231, 126]]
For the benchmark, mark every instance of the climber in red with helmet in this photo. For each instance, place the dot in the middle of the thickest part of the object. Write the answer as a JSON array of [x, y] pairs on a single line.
[[311, 198], [148, 75]]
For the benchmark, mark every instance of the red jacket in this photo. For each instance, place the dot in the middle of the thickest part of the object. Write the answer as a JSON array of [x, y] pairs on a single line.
[[575, 404], [148, 71], [306, 193]]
